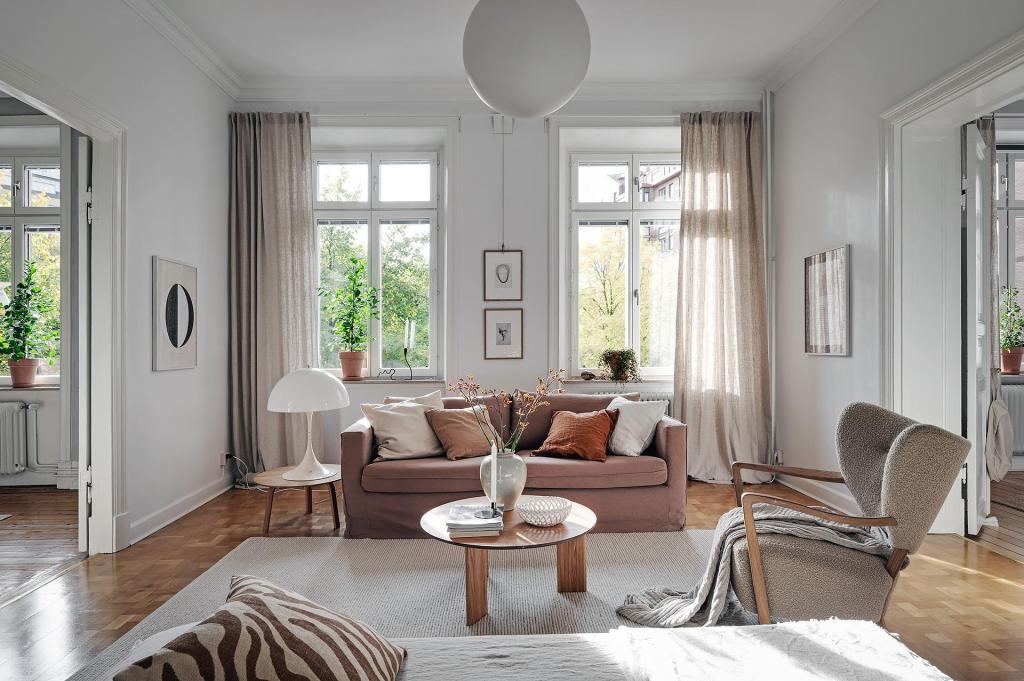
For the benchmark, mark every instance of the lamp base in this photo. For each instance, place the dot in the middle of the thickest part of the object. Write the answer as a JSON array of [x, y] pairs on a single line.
[[308, 469]]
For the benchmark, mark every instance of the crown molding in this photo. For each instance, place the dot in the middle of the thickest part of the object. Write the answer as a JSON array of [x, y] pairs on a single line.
[[824, 33], [459, 91], [170, 26]]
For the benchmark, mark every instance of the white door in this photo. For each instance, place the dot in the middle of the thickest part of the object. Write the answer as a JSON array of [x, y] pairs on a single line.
[[79, 321], [977, 291]]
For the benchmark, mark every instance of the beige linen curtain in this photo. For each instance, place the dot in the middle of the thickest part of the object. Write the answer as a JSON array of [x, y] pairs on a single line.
[[721, 362], [273, 280]]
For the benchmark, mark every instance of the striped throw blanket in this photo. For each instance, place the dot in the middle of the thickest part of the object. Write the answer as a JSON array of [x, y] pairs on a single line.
[[712, 599]]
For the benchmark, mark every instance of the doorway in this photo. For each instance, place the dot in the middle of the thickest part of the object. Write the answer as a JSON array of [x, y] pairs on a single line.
[[44, 186]]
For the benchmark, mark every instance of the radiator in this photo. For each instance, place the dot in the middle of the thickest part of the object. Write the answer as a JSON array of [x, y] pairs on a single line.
[[17, 436], [1014, 397], [650, 396]]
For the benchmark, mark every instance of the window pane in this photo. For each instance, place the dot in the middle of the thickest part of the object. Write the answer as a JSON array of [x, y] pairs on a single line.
[[603, 183], [659, 182], [602, 309], [5, 277], [1018, 256], [405, 181], [405, 290], [1018, 180], [659, 264], [43, 184], [6, 196], [343, 181], [43, 248], [340, 241]]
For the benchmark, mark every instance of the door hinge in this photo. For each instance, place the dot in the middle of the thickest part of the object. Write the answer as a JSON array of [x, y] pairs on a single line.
[[963, 483], [87, 479]]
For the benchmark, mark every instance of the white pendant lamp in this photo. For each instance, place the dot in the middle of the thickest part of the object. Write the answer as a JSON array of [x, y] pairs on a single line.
[[526, 58]]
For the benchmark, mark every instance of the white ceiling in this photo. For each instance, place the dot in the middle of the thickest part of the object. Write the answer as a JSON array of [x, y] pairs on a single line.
[[270, 42]]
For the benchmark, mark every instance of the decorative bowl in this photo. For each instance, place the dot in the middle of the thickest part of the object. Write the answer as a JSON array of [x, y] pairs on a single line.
[[543, 511]]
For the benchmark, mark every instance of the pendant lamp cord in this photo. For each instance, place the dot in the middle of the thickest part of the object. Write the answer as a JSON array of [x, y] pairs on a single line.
[[502, 184]]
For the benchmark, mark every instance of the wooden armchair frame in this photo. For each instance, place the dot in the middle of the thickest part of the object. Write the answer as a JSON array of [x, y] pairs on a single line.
[[748, 499]]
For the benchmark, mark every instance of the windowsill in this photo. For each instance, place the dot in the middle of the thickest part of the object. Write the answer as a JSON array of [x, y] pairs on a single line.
[[396, 380], [35, 387], [605, 382]]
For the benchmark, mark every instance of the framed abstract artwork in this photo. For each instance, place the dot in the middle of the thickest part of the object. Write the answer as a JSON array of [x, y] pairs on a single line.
[[503, 275], [174, 315], [503, 333], [827, 302]]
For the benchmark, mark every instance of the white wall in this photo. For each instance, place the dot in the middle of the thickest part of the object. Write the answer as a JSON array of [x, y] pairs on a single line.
[[826, 193], [177, 186]]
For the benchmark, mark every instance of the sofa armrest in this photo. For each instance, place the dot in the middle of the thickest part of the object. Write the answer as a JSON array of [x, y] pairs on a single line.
[[356, 451], [670, 445]]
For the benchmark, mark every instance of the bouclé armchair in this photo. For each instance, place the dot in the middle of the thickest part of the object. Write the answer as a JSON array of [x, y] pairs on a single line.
[[899, 472]]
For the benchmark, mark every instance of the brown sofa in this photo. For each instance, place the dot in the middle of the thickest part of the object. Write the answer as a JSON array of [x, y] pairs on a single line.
[[386, 498]]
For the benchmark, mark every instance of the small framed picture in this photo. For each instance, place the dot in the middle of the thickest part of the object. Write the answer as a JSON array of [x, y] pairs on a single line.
[[827, 302], [503, 333], [174, 315], [503, 275]]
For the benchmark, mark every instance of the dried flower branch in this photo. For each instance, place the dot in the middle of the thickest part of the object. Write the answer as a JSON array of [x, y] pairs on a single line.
[[527, 403]]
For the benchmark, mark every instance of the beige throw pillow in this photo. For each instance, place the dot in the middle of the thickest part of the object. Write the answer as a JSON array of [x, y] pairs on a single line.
[[459, 431], [265, 632], [402, 430]]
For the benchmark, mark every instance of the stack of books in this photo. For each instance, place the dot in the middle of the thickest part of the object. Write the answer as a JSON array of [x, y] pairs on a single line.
[[463, 522]]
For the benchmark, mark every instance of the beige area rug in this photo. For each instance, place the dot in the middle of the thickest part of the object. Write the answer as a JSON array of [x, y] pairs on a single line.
[[411, 588]]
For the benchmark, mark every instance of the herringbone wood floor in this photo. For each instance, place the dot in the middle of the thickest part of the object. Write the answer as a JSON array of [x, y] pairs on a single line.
[[958, 604]]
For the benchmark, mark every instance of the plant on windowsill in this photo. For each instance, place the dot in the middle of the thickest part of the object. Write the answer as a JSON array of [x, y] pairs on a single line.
[[25, 339], [1011, 331], [348, 310], [620, 365]]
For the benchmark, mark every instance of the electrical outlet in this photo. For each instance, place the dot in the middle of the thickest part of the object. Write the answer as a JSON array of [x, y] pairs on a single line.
[[778, 457]]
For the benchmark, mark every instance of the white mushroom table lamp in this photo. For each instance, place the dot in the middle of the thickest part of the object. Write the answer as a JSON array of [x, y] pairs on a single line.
[[308, 390]]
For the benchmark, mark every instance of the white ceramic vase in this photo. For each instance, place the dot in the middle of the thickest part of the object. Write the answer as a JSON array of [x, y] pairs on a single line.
[[511, 478]]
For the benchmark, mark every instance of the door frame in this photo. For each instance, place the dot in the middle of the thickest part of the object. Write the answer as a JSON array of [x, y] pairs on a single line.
[[108, 524], [919, 184]]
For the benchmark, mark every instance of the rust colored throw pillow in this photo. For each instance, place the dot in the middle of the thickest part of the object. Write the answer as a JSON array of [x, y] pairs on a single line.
[[265, 632], [459, 432], [584, 435]]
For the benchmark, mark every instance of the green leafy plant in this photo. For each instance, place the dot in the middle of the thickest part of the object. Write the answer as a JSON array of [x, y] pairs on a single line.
[[348, 309], [23, 331], [1011, 320], [621, 365]]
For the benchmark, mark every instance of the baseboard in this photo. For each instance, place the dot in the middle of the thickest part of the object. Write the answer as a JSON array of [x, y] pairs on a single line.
[[828, 493], [67, 475], [29, 478], [168, 514]]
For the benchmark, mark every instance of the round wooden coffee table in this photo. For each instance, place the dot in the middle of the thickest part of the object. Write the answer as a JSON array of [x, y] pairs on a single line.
[[273, 480], [569, 537]]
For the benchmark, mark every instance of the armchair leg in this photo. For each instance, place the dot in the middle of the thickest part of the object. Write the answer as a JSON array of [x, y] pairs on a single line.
[[756, 566]]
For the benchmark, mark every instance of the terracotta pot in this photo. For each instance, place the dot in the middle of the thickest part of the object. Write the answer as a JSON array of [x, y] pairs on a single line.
[[23, 372], [352, 364], [1011, 359]]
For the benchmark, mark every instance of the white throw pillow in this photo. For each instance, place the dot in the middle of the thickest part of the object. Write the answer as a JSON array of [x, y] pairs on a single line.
[[634, 430], [402, 429]]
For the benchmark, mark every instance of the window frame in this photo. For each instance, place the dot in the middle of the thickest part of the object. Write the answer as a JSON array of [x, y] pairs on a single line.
[[21, 181], [1011, 179], [335, 158], [19, 256], [374, 212], [633, 213], [9, 161]]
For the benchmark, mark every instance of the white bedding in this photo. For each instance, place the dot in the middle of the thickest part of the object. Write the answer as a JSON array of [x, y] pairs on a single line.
[[831, 650]]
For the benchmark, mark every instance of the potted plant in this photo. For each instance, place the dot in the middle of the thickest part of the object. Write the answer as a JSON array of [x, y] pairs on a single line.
[[348, 310], [1011, 331], [621, 365], [24, 337]]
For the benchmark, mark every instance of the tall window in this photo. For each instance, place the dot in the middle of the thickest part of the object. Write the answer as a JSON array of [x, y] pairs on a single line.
[[381, 207], [624, 242], [30, 231]]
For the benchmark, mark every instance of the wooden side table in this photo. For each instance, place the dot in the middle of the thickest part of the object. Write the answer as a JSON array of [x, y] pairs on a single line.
[[274, 481]]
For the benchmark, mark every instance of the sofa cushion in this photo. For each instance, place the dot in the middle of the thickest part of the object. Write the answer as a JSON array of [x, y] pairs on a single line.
[[500, 414], [583, 436], [462, 431], [426, 476], [543, 472], [540, 422]]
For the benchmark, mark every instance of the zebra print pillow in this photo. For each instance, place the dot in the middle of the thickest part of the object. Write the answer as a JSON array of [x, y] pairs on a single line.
[[265, 632]]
